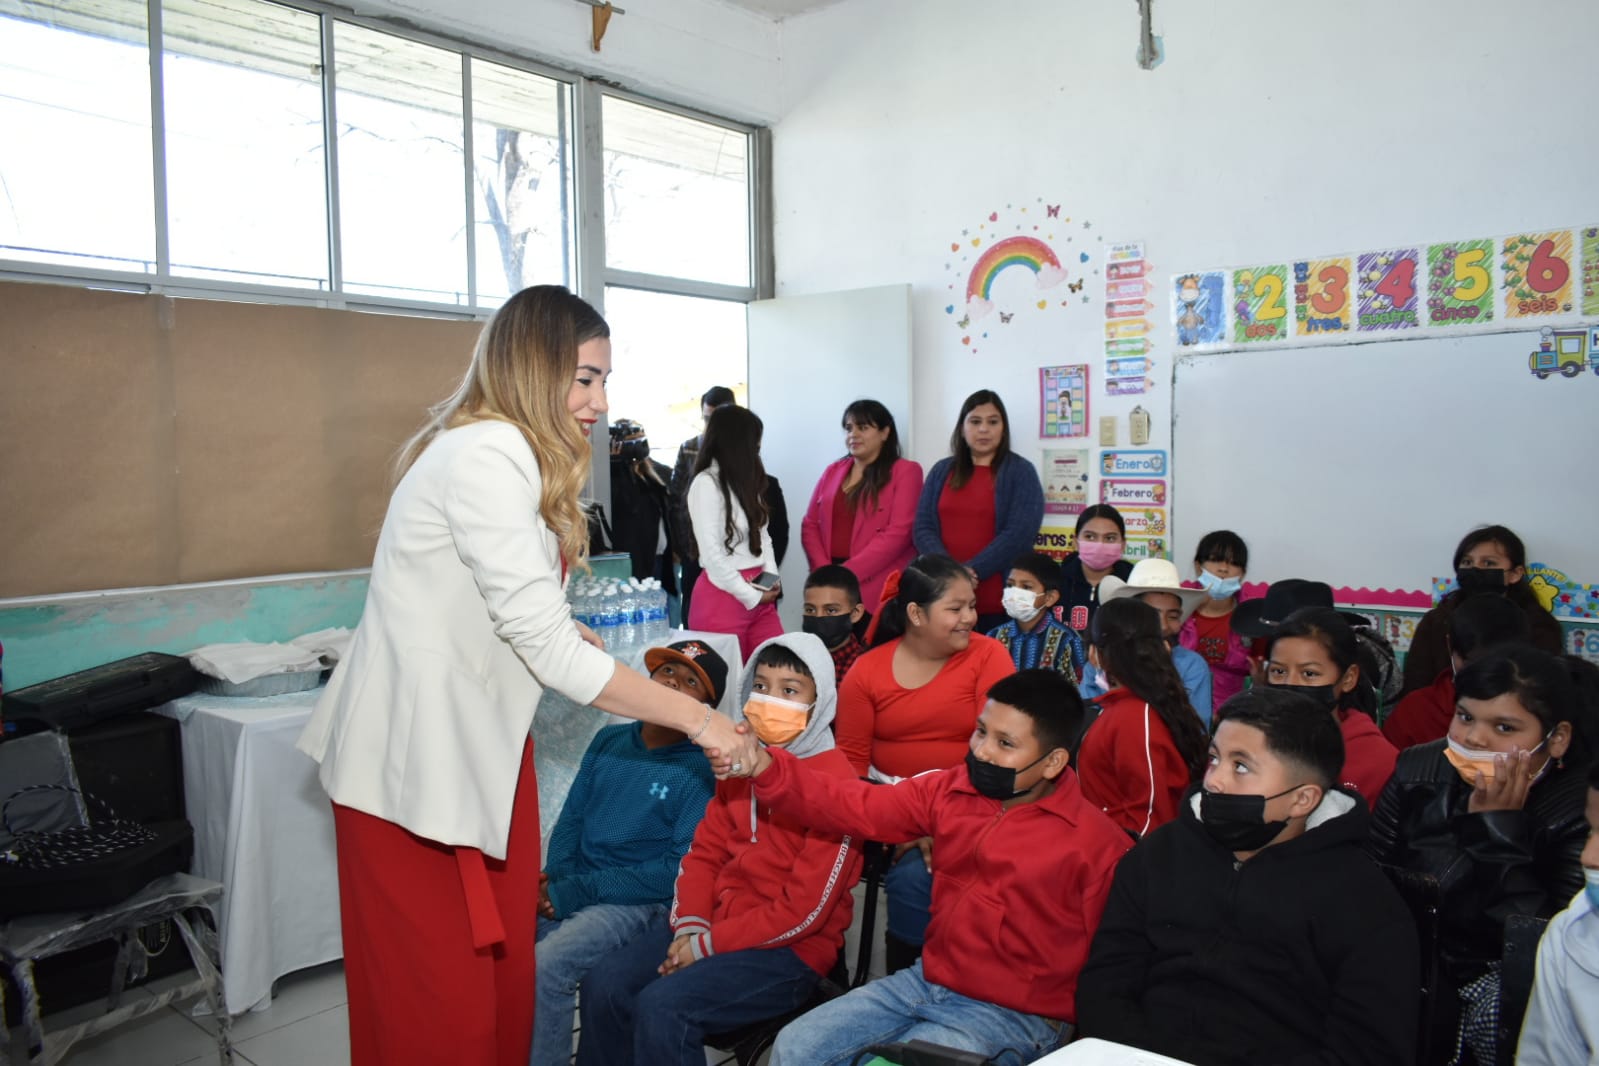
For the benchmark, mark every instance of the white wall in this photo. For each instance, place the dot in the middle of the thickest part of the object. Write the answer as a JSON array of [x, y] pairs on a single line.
[[699, 53], [1271, 131]]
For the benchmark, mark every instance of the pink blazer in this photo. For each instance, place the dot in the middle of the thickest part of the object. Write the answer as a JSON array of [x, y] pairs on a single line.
[[880, 541]]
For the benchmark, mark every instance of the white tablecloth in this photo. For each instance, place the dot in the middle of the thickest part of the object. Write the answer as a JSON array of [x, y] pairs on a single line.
[[264, 827]]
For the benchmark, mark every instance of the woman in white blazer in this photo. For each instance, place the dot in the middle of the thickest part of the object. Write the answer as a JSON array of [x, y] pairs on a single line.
[[423, 733]]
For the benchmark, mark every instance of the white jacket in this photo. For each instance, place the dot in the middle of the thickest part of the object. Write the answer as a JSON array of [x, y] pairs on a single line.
[[1562, 1023], [708, 516], [465, 625]]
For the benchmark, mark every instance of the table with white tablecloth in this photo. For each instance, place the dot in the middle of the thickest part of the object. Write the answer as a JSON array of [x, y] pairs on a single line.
[[264, 827]]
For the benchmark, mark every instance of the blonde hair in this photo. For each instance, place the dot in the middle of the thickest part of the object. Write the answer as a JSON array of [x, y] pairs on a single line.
[[522, 372]]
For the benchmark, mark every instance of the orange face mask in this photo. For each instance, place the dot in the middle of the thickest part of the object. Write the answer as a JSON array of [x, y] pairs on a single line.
[[776, 721], [1469, 762]]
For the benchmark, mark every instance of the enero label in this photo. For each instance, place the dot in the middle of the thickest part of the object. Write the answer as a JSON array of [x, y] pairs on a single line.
[[1132, 492], [1148, 462]]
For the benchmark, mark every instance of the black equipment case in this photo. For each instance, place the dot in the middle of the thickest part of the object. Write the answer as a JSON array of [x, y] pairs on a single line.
[[101, 692]]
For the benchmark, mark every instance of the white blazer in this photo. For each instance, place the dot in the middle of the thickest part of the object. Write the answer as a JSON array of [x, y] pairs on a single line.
[[465, 625]]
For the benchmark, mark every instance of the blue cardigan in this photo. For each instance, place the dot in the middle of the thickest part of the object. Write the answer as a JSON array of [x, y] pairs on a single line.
[[1018, 514]]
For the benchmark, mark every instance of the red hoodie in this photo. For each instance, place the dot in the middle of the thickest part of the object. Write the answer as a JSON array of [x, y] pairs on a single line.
[[1130, 766], [1017, 894], [1368, 756], [1424, 714], [758, 879]]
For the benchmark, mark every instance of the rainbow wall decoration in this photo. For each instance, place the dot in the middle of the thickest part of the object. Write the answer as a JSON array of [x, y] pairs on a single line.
[[1029, 252]]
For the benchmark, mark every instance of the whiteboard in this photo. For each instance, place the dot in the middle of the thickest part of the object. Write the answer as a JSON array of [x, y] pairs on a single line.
[[810, 356], [1363, 465]]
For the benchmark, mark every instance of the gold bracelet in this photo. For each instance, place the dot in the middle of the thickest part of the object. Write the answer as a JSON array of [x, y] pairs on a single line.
[[703, 727]]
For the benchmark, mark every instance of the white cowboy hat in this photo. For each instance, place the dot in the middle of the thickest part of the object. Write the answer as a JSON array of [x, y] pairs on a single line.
[[1152, 575]]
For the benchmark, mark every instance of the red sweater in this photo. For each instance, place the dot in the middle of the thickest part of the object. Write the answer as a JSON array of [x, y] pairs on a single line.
[[755, 879], [1017, 894], [1130, 766], [1424, 714], [906, 731], [1368, 756]]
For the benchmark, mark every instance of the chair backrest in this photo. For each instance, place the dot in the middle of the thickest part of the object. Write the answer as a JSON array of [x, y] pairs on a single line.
[[1422, 896], [1517, 970]]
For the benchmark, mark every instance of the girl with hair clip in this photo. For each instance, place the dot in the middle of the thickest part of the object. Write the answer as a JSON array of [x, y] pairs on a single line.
[[909, 705], [1101, 539], [727, 507], [1490, 560], [1495, 811], [1316, 652], [983, 504], [864, 507], [1146, 745], [423, 731]]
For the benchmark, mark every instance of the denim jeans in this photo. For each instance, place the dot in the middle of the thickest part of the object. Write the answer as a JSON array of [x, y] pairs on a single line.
[[567, 949], [632, 1016], [909, 888], [906, 1006]]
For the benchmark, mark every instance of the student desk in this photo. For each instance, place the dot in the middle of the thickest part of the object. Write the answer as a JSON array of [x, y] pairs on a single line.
[[264, 827]]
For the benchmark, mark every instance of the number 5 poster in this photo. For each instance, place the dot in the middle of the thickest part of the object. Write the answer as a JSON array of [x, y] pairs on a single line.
[[1459, 288], [1261, 311], [1537, 273]]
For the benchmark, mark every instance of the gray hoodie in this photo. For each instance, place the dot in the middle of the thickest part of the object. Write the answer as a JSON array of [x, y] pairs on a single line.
[[813, 653]]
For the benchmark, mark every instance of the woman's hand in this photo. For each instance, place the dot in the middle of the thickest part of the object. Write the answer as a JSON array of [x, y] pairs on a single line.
[[546, 908], [772, 594], [1507, 791], [589, 636], [732, 753]]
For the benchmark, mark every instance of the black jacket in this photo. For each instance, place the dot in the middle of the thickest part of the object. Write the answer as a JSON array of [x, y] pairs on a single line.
[[1302, 955], [639, 504], [1075, 591], [1429, 648], [1489, 865]]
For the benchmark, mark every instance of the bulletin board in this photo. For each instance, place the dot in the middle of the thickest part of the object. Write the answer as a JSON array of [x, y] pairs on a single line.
[[146, 440], [1363, 464]]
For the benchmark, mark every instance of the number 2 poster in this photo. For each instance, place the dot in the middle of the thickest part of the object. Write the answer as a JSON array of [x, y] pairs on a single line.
[[1387, 290], [1260, 304], [1538, 275]]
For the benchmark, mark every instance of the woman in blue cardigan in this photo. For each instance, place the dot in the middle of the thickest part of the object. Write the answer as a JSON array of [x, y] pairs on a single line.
[[982, 505]]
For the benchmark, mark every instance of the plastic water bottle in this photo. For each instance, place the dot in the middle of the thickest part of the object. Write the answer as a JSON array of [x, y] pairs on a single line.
[[627, 605], [610, 615], [660, 624]]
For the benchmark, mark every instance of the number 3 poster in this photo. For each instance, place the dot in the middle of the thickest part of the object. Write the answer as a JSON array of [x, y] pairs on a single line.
[[1321, 296]]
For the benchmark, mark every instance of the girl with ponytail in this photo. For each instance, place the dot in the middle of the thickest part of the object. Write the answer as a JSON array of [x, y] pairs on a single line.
[[910, 704], [1147, 745], [1315, 652]]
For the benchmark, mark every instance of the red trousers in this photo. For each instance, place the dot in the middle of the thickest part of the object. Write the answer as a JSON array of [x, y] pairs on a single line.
[[438, 941]]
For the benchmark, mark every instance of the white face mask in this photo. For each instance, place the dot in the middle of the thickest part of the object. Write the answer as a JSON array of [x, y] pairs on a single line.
[[1019, 604]]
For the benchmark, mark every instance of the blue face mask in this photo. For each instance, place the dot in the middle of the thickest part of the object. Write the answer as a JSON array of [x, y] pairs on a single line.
[[1592, 887], [1220, 588]]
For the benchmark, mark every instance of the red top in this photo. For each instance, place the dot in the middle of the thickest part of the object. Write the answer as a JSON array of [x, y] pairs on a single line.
[[1130, 766], [843, 524], [1212, 634], [905, 731], [967, 523], [1017, 894], [1368, 756], [754, 878], [1424, 714]]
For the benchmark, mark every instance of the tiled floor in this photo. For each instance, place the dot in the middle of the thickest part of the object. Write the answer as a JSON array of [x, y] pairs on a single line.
[[305, 1026]]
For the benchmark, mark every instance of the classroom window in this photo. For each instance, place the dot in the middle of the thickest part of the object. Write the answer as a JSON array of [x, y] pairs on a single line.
[[667, 351], [677, 195], [522, 180], [402, 205], [246, 173], [75, 175]]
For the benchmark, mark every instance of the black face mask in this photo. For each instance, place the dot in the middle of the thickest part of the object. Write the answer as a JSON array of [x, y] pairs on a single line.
[[1476, 580], [1238, 823], [832, 630], [1324, 696], [996, 782]]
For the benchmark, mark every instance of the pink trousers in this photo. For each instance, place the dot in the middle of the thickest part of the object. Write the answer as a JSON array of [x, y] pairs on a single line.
[[711, 610]]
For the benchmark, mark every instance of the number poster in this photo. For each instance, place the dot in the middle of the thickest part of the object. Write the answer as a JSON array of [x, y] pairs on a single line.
[[1544, 278]]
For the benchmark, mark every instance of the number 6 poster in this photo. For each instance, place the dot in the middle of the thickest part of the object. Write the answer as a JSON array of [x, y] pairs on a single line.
[[1537, 273]]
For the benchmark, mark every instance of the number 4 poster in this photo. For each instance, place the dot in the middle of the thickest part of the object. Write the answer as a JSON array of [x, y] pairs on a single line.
[[1387, 287], [1537, 273], [1261, 313]]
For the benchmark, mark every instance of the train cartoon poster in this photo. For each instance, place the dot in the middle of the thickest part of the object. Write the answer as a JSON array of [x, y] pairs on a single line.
[[1460, 288], [1063, 401], [1260, 308], [1590, 270], [1387, 289], [1199, 308], [1322, 296], [1538, 274]]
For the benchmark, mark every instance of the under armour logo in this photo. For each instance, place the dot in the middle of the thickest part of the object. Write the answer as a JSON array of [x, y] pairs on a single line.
[[658, 790]]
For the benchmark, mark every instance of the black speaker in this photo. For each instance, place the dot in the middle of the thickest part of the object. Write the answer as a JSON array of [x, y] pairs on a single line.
[[134, 762]]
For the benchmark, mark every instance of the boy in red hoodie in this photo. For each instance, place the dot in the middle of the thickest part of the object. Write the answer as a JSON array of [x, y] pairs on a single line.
[[1022, 869], [762, 898]]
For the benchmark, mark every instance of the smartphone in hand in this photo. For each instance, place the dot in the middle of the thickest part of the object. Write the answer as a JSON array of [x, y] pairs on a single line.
[[766, 581]]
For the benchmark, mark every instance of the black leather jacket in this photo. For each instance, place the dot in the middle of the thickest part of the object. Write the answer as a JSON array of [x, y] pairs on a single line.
[[1489, 865]]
